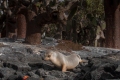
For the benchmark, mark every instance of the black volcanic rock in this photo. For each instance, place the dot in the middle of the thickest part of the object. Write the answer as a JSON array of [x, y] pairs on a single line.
[[118, 68], [32, 78], [18, 60], [32, 74], [6, 72], [41, 72], [51, 78]]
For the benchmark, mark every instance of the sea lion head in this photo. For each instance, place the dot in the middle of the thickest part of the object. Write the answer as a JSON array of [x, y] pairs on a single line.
[[49, 55]]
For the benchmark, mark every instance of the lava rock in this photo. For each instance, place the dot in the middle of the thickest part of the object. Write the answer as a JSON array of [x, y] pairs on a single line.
[[48, 66], [58, 74], [32, 74], [32, 78], [18, 60], [6, 72], [50, 78], [118, 68], [100, 75], [23, 67], [41, 72], [35, 66], [13, 77]]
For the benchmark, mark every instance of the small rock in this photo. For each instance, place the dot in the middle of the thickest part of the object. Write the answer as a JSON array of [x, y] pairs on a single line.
[[32, 74], [118, 68], [6, 72], [13, 77], [17, 66], [32, 78], [58, 74], [100, 75], [85, 69], [48, 66], [50, 78], [41, 72], [19, 73]]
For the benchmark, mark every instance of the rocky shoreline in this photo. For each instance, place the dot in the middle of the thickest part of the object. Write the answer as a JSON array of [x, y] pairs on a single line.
[[18, 60]]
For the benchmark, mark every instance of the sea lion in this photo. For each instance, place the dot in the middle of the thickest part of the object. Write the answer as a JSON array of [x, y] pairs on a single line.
[[61, 60]]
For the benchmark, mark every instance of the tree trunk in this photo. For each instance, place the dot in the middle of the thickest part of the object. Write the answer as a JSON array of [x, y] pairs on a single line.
[[21, 26], [117, 28], [11, 28], [33, 34], [58, 34], [0, 34], [74, 33], [112, 13]]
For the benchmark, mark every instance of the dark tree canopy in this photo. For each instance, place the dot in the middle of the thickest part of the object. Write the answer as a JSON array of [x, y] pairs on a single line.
[[37, 13]]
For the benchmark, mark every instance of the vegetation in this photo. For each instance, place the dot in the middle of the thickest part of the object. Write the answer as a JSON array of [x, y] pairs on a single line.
[[86, 24], [81, 21]]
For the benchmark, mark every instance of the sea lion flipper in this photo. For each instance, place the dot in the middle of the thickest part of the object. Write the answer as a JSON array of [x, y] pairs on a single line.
[[64, 68], [84, 61], [81, 61]]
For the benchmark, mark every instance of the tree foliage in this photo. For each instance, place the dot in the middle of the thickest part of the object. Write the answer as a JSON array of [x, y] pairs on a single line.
[[89, 15], [77, 20]]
